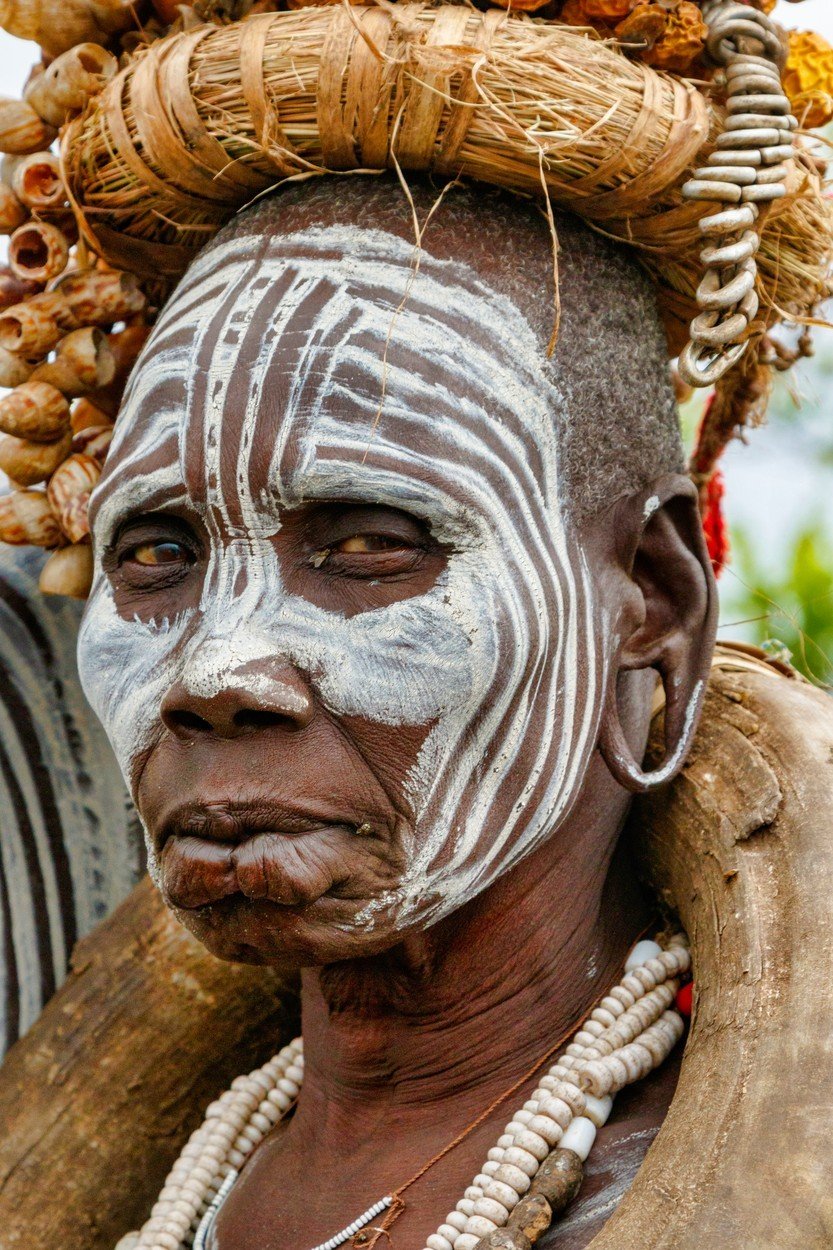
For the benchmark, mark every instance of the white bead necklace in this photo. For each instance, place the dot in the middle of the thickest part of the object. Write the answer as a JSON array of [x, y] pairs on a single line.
[[629, 1034]]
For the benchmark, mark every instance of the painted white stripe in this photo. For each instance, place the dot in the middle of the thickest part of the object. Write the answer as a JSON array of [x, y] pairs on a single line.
[[505, 644]]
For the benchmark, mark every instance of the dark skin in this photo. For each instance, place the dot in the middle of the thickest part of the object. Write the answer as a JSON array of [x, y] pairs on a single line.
[[405, 1050], [407, 1041]]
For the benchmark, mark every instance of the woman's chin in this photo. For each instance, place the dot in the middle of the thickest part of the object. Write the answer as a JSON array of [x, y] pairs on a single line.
[[260, 932]]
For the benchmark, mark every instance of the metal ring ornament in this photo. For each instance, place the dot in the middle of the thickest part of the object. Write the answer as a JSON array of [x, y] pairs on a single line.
[[748, 168]]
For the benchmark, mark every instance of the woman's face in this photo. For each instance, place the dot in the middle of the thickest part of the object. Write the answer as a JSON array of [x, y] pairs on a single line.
[[344, 644]]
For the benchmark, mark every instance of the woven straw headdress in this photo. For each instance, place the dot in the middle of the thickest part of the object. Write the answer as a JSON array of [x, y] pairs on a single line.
[[679, 128]]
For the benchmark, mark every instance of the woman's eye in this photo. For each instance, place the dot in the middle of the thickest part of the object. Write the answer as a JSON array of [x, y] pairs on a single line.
[[152, 555], [368, 544]]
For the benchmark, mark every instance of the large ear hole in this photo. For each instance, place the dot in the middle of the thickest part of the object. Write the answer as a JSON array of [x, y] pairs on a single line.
[[674, 629]]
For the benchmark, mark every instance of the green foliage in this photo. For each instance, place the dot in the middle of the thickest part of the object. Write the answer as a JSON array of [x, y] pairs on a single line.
[[791, 610]]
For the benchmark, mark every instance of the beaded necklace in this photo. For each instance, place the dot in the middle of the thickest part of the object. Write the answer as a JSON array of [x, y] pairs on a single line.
[[532, 1173]]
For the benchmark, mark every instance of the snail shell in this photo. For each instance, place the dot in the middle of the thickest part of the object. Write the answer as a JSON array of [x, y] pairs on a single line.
[[71, 80], [86, 415], [68, 572], [69, 492], [98, 297], [38, 251], [60, 24], [37, 181], [26, 517], [35, 411], [83, 362], [14, 290], [21, 130], [14, 369], [12, 212], [93, 441], [33, 327], [27, 462]]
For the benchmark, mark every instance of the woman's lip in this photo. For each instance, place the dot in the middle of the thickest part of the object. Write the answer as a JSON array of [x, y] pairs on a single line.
[[288, 869], [235, 822]]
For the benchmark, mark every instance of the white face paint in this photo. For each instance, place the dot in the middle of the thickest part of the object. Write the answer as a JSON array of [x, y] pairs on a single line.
[[501, 659]]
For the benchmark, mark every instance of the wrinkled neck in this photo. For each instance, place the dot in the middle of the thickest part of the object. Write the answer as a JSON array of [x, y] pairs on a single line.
[[454, 1016]]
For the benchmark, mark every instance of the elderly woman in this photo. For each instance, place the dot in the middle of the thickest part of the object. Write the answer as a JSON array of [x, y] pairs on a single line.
[[382, 592]]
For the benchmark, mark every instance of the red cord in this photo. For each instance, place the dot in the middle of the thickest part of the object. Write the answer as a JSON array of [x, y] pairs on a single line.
[[714, 522]]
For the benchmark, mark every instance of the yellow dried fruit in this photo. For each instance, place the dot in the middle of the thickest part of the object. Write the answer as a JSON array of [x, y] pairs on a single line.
[[642, 27], [808, 78], [683, 40]]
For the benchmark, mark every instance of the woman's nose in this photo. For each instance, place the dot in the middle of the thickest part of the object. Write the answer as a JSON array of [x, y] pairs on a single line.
[[277, 698]]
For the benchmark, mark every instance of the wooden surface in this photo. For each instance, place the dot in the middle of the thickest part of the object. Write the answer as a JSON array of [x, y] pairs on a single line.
[[97, 1099], [742, 844]]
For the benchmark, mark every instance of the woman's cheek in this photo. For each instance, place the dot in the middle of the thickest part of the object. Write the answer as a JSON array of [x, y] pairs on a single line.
[[126, 666]]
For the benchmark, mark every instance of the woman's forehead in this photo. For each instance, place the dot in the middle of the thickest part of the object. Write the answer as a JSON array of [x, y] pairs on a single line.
[[333, 361]]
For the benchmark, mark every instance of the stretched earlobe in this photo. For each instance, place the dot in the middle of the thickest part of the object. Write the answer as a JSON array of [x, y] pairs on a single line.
[[681, 717], [667, 624]]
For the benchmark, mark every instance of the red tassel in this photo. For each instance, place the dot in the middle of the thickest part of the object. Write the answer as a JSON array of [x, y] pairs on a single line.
[[714, 522]]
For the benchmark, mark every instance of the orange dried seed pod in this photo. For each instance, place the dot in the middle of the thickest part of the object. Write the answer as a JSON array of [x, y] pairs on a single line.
[[35, 411], [33, 327], [37, 181], [100, 297], [68, 571], [643, 26], [71, 80], [683, 41], [12, 212], [83, 362], [29, 463], [38, 251], [69, 492], [14, 369], [26, 518], [21, 130]]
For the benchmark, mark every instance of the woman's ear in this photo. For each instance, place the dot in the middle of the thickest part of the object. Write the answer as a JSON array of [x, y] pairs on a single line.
[[667, 620]]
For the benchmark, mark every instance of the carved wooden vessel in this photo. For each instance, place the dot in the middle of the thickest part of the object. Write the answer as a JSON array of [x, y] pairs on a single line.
[[96, 1101]]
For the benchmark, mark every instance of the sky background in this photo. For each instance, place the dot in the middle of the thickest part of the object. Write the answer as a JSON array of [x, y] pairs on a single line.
[[778, 484]]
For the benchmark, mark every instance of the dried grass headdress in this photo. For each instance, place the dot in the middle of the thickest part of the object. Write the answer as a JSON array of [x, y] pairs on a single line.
[[678, 128]]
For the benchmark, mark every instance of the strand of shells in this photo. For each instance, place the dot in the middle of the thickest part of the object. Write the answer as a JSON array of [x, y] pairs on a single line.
[[536, 1168], [532, 1173], [233, 1125], [59, 349], [747, 170]]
